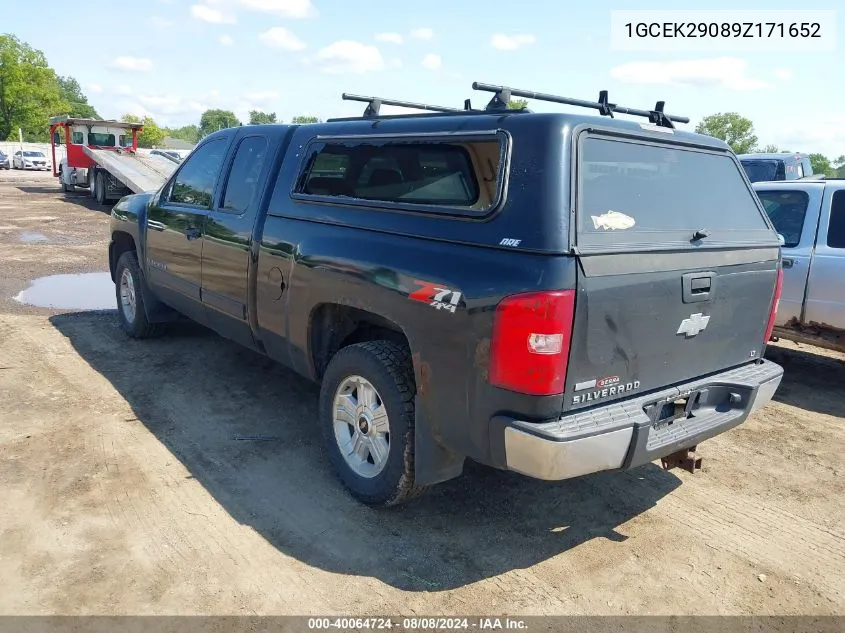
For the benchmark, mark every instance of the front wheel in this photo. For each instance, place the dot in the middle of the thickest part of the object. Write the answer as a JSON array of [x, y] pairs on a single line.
[[367, 419], [129, 292]]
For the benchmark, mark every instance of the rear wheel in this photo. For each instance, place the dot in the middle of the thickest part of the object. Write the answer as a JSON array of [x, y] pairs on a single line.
[[367, 419], [65, 188], [100, 188], [129, 292]]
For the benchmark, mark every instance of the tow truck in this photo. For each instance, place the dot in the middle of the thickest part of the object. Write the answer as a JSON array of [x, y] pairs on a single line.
[[102, 156]]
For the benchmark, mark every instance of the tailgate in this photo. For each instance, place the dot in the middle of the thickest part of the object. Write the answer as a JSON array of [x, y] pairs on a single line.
[[678, 267]]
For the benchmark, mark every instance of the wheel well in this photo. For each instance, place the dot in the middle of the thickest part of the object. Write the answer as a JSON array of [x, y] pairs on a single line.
[[335, 326], [121, 242]]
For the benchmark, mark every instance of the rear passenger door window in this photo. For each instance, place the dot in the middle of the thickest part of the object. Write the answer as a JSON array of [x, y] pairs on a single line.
[[836, 228], [448, 175], [194, 184], [242, 181]]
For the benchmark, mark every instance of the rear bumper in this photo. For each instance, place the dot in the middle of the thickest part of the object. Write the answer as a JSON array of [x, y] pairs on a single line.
[[628, 434]]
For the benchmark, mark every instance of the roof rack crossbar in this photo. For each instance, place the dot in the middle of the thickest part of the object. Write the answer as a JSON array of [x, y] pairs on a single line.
[[374, 105], [502, 95]]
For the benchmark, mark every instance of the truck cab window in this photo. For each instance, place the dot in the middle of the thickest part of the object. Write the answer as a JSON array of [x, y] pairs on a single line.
[[836, 228], [77, 138], [786, 210], [243, 177], [194, 184], [101, 139]]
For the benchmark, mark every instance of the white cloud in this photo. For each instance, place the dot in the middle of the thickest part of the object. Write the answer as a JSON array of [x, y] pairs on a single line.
[[825, 135], [432, 61], [422, 34], [728, 73], [283, 8], [210, 14], [348, 57], [280, 37], [95, 88], [132, 64], [263, 97], [226, 40], [123, 89], [784, 74], [511, 42], [391, 38], [160, 22]]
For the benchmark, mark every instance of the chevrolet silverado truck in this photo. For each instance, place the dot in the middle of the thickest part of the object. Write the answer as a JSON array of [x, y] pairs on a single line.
[[554, 294], [810, 215]]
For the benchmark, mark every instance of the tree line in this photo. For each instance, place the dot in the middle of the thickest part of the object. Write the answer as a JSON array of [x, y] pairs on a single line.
[[31, 92]]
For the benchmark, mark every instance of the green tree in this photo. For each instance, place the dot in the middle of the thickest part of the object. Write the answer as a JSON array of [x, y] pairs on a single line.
[[821, 165], [151, 136], [190, 133], [735, 130], [839, 164], [302, 119], [768, 149], [213, 120], [29, 90], [72, 94], [256, 117], [517, 104]]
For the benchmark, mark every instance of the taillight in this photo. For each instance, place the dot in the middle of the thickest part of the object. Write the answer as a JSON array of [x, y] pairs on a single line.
[[530, 347], [774, 309]]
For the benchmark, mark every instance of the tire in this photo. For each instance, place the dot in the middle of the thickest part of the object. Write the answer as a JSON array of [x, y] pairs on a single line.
[[387, 368], [65, 188], [131, 312], [100, 188]]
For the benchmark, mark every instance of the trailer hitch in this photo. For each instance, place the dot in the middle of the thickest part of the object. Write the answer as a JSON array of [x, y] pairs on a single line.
[[687, 459]]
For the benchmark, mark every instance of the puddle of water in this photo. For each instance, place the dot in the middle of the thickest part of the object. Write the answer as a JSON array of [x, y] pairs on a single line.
[[84, 291], [29, 237]]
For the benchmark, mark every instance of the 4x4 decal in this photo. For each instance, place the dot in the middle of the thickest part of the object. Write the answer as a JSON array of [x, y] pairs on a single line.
[[436, 295]]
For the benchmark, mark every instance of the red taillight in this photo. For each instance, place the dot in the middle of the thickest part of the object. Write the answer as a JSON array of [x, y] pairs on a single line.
[[774, 309], [530, 347]]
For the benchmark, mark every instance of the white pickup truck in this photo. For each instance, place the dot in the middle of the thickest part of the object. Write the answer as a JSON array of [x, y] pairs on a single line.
[[810, 216]]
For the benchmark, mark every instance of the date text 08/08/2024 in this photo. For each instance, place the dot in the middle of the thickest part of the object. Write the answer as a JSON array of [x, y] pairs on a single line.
[[417, 624]]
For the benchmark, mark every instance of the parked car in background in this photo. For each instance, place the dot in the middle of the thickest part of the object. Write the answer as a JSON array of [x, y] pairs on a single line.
[[810, 215], [31, 159], [4, 161], [171, 154], [777, 166]]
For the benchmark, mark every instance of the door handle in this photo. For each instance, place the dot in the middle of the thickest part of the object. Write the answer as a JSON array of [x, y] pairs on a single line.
[[697, 286], [788, 262], [192, 233]]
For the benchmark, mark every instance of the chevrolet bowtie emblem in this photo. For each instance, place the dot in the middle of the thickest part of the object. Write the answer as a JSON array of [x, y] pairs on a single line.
[[693, 325]]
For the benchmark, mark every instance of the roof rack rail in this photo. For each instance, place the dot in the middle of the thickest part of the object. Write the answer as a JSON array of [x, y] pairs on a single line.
[[374, 105], [503, 94]]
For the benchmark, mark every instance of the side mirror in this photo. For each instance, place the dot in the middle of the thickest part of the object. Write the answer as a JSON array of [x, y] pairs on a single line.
[[781, 239], [57, 138]]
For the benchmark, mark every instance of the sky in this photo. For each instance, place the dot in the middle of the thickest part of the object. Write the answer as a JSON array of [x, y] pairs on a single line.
[[173, 59]]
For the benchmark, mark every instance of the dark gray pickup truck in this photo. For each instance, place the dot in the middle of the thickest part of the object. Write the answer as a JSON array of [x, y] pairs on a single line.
[[553, 294]]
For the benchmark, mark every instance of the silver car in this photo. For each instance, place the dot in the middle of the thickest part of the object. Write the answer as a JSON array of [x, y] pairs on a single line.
[[30, 159]]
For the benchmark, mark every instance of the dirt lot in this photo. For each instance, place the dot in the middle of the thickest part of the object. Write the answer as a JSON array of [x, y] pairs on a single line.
[[185, 475]]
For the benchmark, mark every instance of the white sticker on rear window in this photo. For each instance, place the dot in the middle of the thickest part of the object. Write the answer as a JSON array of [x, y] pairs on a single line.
[[612, 220]]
